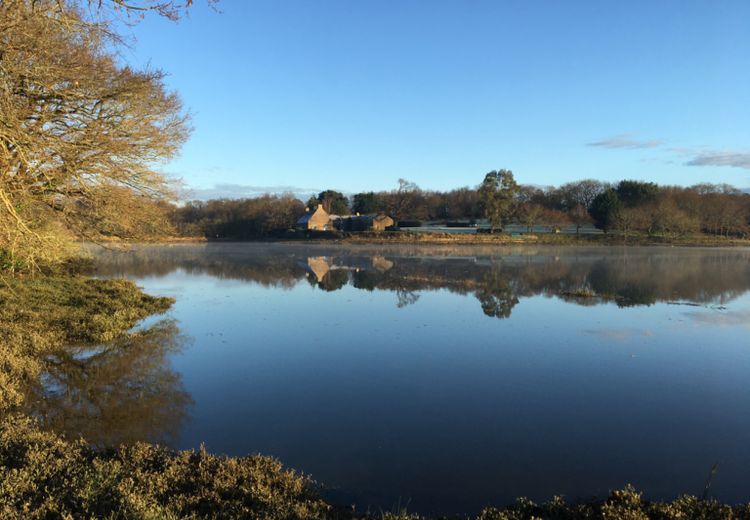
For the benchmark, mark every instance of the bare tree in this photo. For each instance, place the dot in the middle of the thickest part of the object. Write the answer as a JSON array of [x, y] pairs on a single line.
[[579, 216], [406, 200], [529, 214], [581, 192], [80, 135]]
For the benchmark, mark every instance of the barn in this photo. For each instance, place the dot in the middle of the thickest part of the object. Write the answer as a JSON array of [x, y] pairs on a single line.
[[381, 222]]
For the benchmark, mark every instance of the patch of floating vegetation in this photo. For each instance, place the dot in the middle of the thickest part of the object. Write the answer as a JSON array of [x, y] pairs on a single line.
[[580, 293]]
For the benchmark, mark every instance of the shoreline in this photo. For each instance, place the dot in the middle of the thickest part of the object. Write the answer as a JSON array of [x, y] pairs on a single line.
[[438, 238]]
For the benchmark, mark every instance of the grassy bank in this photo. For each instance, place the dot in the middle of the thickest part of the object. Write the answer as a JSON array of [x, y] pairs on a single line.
[[542, 238], [500, 239], [45, 475], [41, 314]]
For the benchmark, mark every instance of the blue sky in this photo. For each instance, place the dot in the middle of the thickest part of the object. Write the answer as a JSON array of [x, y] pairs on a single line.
[[355, 94]]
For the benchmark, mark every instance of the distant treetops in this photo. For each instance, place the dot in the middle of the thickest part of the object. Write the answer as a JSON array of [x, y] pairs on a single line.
[[626, 207]]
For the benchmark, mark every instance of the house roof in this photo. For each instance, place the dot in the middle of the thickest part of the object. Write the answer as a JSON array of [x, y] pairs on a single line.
[[319, 212], [304, 219]]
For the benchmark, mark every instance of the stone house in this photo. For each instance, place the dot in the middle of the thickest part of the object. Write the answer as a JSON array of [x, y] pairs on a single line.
[[318, 220]]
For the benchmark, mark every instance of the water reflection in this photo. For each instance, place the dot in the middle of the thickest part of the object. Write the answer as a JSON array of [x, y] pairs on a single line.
[[448, 378], [121, 392], [499, 279]]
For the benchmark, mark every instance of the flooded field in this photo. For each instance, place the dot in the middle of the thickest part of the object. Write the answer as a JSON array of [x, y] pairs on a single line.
[[444, 379]]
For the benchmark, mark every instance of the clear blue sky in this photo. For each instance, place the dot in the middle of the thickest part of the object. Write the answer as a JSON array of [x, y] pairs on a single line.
[[354, 94]]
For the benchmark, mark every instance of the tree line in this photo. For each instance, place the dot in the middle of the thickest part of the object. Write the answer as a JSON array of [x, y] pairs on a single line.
[[626, 207]]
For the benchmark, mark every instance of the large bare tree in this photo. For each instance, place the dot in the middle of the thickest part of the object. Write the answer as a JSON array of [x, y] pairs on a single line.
[[81, 135]]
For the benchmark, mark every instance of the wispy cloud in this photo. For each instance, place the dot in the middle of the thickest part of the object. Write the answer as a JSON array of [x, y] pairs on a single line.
[[713, 158], [685, 155], [242, 191], [626, 141]]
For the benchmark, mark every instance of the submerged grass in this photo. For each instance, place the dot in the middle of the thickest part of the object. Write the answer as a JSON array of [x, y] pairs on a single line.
[[44, 475]]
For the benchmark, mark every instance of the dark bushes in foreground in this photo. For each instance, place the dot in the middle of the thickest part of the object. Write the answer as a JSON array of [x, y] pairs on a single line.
[[43, 475]]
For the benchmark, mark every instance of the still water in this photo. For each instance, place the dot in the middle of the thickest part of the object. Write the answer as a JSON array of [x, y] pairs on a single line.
[[442, 379]]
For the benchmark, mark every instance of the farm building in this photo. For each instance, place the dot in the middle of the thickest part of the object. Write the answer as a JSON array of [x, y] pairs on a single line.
[[381, 222], [318, 220], [363, 222]]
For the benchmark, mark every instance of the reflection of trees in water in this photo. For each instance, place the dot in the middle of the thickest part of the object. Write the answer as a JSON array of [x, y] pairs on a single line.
[[406, 298], [638, 276], [627, 287], [630, 280], [495, 295], [120, 392], [334, 280], [223, 262]]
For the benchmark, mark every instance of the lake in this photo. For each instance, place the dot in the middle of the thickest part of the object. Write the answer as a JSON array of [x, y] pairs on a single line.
[[442, 379]]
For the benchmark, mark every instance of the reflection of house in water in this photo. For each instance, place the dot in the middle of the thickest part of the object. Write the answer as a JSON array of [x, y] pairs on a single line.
[[381, 263], [318, 266], [322, 272], [322, 266]]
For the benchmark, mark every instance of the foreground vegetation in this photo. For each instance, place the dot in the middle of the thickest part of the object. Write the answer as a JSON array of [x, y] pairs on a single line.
[[45, 476]]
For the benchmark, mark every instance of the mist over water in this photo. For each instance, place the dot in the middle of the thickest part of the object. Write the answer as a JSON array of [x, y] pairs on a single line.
[[443, 378]]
